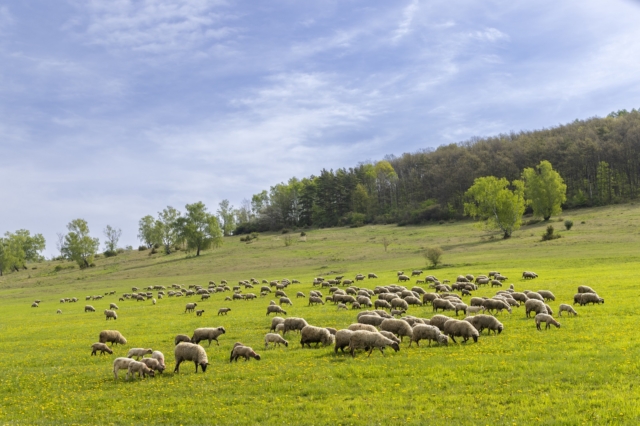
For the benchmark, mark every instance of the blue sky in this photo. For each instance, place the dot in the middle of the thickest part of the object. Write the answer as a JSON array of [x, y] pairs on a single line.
[[111, 110]]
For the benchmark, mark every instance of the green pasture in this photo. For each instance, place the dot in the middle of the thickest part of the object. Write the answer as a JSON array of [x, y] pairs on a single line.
[[585, 372]]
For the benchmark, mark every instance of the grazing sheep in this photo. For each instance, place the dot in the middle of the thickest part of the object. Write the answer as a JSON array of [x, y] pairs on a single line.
[[439, 321], [294, 324], [397, 312], [285, 301], [566, 308], [520, 297], [342, 338], [121, 364], [533, 305], [181, 338], [586, 298], [496, 305], [546, 295], [342, 306], [443, 304], [200, 312], [300, 294], [360, 326], [113, 306], [100, 347], [59, 311], [480, 322], [399, 304], [207, 333], [311, 334], [159, 356], [280, 328], [243, 351], [412, 300], [459, 328], [275, 321], [372, 275], [529, 275], [88, 308], [535, 295], [112, 336], [275, 309], [398, 327], [110, 314], [389, 335], [154, 300], [370, 340], [549, 310], [139, 352], [585, 289], [153, 364], [274, 338], [223, 311], [548, 319], [380, 303], [374, 320], [190, 307], [403, 278], [474, 309], [185, 351], [428, 332]]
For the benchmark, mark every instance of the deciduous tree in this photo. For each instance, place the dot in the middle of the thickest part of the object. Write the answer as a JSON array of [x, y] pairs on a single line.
[[545, 189], [199, 228], [78, 244]]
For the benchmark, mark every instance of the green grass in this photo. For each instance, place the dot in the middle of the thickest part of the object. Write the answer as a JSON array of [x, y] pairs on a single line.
[[585, 372]]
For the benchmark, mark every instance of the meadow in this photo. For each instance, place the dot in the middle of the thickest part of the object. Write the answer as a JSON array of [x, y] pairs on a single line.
[[585, 372]]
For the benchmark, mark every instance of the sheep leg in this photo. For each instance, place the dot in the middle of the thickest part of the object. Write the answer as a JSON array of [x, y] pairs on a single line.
[[453, 338], [196, 363], [177, 369]]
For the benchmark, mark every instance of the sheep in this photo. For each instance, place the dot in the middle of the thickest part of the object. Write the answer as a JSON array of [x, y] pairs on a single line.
[[439, 321], [280, 328], [181, 338], [403, 278], [370, 340], [549, 310], [112, 336], [397, 312], [294, 323], [300, 294], [399, 304], [360, 326], [342, 339], [381, 304], [496, 305], [566, 308], [139, 352], [459, 328], [461, 307], [190, 307], [535, 295], [533, 305], [274, 322], [474, 309], [185, 351], [59, 311], [429, 332], [223, 311], [520, 297], [110, 314], [372, 275], [121, 364], [586, 298], [113, 306], [443, 304], [207, 333], [374, 320], [153, 364], [529, 275], [412, 300], [285, 301], [398, 327], [389, 335], [100, 347], [429, 298], [585, 289], [480, 322], [275, 309], [87, 308], [548, 319], [159, 356], [274, 338], [311, 334], [546, 295], [243, 351]]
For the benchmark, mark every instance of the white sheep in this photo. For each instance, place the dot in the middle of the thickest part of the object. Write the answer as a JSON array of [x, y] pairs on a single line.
[[121, 364], [398, 327], [317, 335], [157, 355], [566, 308], [274, 338], [110, 314], [112, 336], [185, 351], [240, 350], [463, 329], [207, 333], [548, 319], [140, 368], [139, 352], [153, 364], [428, 332], [100, 347], [370, 340]]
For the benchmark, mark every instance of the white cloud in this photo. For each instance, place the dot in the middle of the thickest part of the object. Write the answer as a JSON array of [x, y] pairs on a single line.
[[407, 18], [489, 34], [6, 18]]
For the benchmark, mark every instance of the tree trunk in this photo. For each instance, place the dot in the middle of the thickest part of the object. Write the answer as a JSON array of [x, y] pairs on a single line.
[[506, 235], [546, 218], [198, 251]]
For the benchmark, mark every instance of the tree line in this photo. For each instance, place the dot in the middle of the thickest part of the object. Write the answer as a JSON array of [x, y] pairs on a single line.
[[598, 158]]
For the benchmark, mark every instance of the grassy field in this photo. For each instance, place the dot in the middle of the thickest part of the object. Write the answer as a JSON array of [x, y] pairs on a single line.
[[585, 372]]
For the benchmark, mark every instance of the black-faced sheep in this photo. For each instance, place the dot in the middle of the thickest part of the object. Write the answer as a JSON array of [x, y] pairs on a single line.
[[185, 351]]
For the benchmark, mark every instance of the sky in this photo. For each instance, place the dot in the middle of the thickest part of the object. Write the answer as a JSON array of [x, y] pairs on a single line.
[[114, 109]]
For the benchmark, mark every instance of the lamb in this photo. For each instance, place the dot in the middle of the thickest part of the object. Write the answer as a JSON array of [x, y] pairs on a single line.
[[459, 328], [342, 339], [185, 351], [274, 338], [548, 319], [153, 364], [113, 306], [121, 364], [370, 340], [190, 307], [246, 352], [139, 352], [87, 308], [181, 338], [533, 305], [428, 332], [207, 333], [374, 320], [566, 308], [585, 289], [359, 326], [480, 322], [474, 309], [398, 327], [311, 334], [110, 314], [159, 356], [397, 312], [275, 309], [274, 322], [112, 336], [223, 311], [546, 295], [100, 347], [200, 312], [294, 324]]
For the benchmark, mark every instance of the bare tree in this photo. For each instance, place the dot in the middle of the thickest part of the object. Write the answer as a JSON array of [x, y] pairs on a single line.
[[433, 255], [386, 242], [113, 236]]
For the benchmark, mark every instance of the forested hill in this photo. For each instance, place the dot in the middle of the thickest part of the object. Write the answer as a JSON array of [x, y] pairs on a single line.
[[598, 158]]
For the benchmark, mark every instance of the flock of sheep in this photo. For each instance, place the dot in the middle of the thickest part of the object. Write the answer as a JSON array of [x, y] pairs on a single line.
[[386, 325]]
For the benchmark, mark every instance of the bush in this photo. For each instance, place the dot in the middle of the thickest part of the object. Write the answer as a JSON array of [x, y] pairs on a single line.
[[303, 234], [433, 255], [153, 251], [288, 240], [59, 268], [120, 250], [532, 221], [250, 237], [549, 235], [285, 231], [568, 224], [142, 248], [109, 253]]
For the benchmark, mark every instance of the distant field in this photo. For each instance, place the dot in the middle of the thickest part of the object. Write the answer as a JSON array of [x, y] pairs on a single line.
[[586, 372]]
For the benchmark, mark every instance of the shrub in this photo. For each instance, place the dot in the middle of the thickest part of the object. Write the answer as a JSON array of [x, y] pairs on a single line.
[[532, 221], [285, 231], [386, 242], [549, 235], [120, 250], [109, 253], [153, 251], [59, 268], [142, 248], [303, 234], [568, 224], [433, 255], [288, 240]]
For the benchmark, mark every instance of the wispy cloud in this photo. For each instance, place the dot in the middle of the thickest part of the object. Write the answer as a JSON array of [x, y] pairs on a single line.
[[407, 18]]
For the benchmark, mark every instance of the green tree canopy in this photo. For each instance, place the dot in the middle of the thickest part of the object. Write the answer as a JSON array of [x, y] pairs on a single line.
[[199, 228], [545, 189], [492, 199], [113, 236], [16, 249], [78, 244], [227, 217], [167, 228], [150, 231]]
